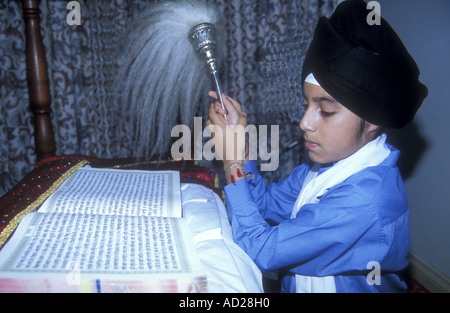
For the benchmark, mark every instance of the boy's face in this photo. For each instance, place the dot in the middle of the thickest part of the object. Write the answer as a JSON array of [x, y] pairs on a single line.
[[331, 131]]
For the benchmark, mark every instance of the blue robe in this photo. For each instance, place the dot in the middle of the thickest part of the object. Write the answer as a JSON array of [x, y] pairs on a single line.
[[361, 220]]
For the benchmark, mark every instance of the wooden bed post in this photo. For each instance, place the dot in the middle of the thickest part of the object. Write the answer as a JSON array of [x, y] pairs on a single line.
[[38, 82]]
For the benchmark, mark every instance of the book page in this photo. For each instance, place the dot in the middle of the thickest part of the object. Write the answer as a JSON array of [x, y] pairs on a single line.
[[118, 192], [99, 246]]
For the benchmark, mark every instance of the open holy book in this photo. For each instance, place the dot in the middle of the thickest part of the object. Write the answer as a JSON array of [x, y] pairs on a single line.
[[105, 230]]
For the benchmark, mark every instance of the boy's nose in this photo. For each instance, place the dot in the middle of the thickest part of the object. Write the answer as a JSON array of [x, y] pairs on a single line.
[[307, 123]]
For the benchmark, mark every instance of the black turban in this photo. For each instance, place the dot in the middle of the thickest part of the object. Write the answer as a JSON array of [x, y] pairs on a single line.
[[365, 67]]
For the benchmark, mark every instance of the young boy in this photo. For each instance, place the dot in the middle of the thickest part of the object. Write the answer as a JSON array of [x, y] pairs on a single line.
[[340, 222]]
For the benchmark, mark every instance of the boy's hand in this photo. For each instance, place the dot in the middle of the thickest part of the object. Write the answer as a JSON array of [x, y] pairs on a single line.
[[233, 128]]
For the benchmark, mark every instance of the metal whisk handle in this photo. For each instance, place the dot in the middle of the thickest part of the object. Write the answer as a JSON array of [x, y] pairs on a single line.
[[203, 38]]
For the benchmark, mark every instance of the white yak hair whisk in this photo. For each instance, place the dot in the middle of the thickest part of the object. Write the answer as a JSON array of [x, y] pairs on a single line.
[[161, 80]]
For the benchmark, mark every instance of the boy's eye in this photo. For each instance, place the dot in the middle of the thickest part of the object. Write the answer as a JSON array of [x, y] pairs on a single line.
[[326, 113]]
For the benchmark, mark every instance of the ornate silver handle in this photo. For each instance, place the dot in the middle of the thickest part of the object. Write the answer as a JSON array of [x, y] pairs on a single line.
[[203, 39]]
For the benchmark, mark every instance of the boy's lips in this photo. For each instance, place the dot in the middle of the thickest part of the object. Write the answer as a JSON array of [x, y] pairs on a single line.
[[310, 144]]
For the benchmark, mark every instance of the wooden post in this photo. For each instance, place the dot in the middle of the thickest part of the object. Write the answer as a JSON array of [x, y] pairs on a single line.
[[38, 82]]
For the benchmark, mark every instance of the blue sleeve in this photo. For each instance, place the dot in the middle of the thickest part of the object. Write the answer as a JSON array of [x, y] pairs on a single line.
[[321, 240], [276, 200]]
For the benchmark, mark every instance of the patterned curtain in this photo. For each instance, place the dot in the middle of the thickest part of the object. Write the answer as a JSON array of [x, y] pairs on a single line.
[[266, 41]]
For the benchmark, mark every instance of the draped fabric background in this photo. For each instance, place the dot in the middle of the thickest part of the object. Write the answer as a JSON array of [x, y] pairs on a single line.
[[266, 42]]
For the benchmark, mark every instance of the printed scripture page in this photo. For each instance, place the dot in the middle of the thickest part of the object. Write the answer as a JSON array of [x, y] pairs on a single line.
[[118, 192], [107, 246]]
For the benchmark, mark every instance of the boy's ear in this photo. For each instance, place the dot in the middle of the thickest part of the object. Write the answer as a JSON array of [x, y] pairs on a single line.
[[370, 128]]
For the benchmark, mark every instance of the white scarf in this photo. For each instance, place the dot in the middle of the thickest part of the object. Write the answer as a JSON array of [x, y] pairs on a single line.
[[372, 154]]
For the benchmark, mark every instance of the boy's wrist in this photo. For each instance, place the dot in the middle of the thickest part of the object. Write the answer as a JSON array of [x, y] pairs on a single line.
[[234, 171]]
